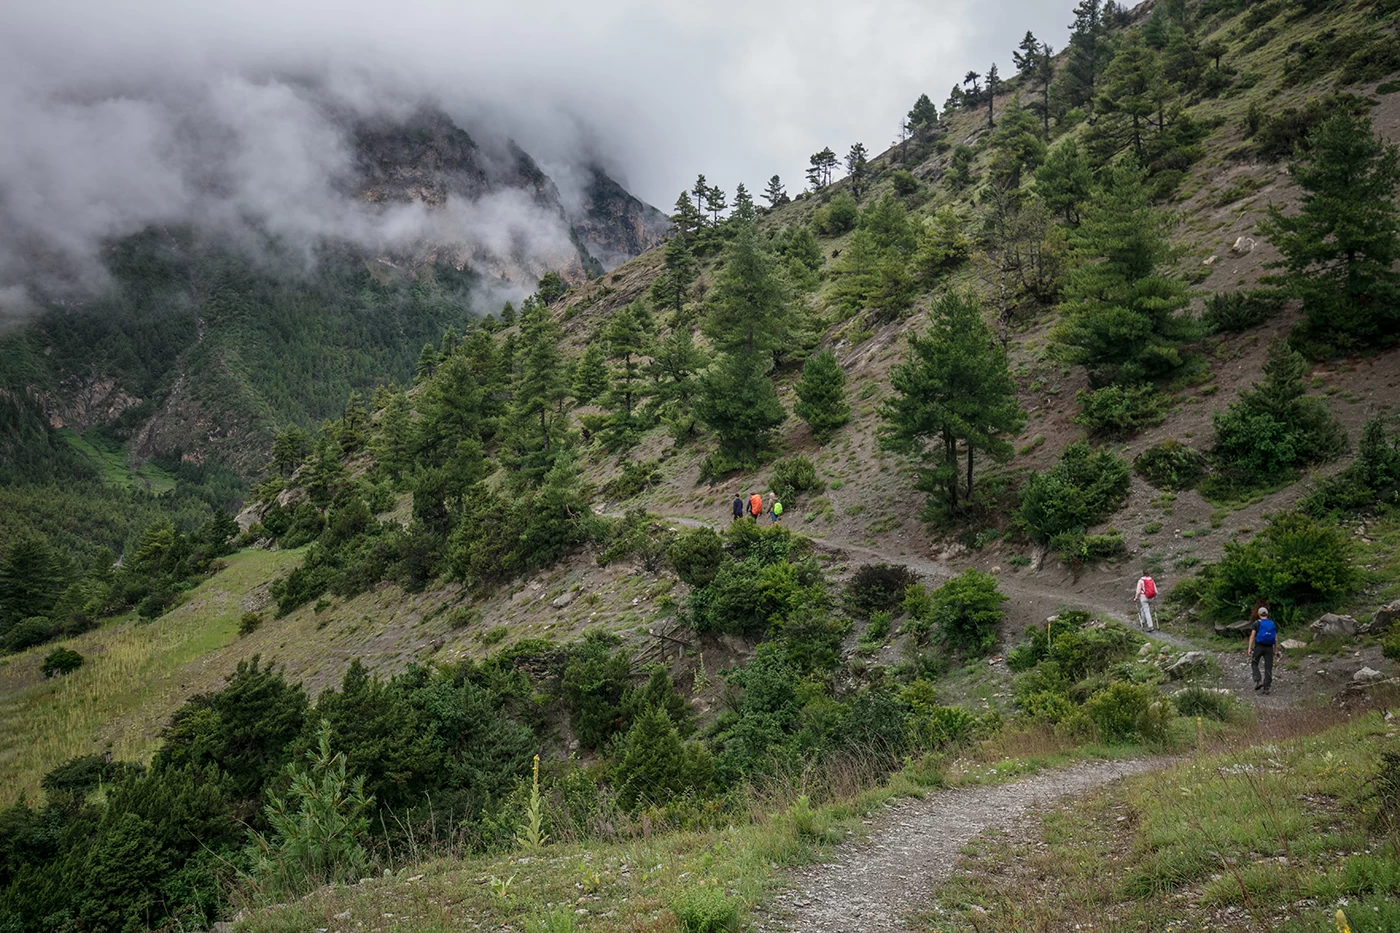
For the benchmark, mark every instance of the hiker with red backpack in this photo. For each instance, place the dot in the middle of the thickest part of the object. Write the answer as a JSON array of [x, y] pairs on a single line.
[[1263, 645], [1146, 592]]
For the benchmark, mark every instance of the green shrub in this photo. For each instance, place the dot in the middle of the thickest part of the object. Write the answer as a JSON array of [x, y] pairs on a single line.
[[1120, 712], [1171, 465], [27, 633], [460, 617], [696, 555], [1298, 565], [1119, 411], [793, 477], [1199, 701], [967, 610], [1078, 549], [878, 587], [1369, 482], [838, 217], [1085, 487], [905, 183], [705, 909], [879, 628], [1234, 312], [636, 477], [249, 623], [61, 661], [747, 596], [557, 920]]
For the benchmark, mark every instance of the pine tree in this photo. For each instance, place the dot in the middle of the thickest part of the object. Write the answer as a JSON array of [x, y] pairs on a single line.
[[701, 191], [677, 361], [290, 445], [393, 438], [551, 287], [1016, 146], [627, 341], [955, 387], [738, 402], [354, 419], [775, 194], [449, 343], [1027, 55], [1088, 53], [427, 364], [972, 95], [821, 165], [993, 88], [325, 473], [1340, 248], [1065, 181], [673, 284], [590, 374], [822, 392], [508, 314], [749, 310], [538, 390], [1131, 90], [1123, 313], [857, 168], [744, 210], [923, 116], [715, 203], [30, 581], [451, 405], [687, 221], [954, 103]]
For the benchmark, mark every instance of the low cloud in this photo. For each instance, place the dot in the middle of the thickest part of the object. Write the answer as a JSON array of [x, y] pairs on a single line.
[[235, 116]]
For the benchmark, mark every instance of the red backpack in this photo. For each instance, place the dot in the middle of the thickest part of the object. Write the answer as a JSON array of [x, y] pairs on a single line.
[[1149, 588]]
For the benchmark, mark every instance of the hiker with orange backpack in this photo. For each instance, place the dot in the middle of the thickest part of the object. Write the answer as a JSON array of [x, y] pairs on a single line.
[[755, 506], [1146, 592]]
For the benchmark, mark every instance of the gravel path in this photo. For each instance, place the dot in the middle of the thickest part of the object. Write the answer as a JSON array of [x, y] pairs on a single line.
[[875, 885]]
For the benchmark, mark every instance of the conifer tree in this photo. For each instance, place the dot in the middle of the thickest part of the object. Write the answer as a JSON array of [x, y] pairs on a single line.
[[738, 402], [673, 284], [290, 445], [749, 309], [537, 392], [686, 221], [353, 421], [923, 116], [590, 374], [993, 88], [857, 168], [393, 439], [701, 191], [1123, 313], [954, 103], [1089, 52], [1016, 145], [744, 210], [1027, 55], [715, 203], [822, 394], [508, 314], [451, 405], [427, 364], [821, 165], [627, 341], [675, 365], [1131, 90], [775, 194], [551, 287], [30, 581], [955, 388], [449, 343], [324, 472], [1340, 248], [972, 95], [1065, 181]]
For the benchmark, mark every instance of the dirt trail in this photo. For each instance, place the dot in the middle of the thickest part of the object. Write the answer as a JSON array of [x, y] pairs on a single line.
[[874, 886]]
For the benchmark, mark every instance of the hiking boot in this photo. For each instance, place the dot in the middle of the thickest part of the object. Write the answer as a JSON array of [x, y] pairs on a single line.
[[1268, 689], [1258, 686]]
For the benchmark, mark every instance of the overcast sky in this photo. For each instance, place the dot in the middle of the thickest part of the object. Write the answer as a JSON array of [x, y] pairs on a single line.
[[102, 101]]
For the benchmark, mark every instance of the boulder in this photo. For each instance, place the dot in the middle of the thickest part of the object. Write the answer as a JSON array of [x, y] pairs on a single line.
[[1382, 621], [1367, 675], [1333, 624], [1237, 629], [1293, 644], [1192, 662], [1243, 245], [563, 600]]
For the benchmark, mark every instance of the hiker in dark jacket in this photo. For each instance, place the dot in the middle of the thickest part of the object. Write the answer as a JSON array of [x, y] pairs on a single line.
[[738, 506], [1263, 644]]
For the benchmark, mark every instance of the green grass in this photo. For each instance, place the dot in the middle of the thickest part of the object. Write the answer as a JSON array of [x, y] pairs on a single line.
[[111, 462], [1268, 836], [132, 679]]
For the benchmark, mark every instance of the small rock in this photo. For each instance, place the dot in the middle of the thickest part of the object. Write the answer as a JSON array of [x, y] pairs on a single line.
[[1293, 644], [1243, 245], [563, 600], [1188, 663], [1333, 624], [343, 915], [1210, 261], [1145, 650], [1367, 675]]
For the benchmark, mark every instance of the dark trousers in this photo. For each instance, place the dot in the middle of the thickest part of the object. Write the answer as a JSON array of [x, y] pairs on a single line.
[[1267, 653]]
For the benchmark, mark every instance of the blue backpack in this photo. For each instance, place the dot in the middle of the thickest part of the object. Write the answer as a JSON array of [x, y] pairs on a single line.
[[1267, 633]]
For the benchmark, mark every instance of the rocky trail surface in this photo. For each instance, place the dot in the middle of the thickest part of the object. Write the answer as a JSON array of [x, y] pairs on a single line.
[[873, 886]]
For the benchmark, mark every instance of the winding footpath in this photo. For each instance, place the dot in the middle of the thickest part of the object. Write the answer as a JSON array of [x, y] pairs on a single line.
[[874, 886]]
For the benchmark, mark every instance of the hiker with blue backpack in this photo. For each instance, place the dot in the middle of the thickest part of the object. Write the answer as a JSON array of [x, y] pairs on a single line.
[[1263, 643]]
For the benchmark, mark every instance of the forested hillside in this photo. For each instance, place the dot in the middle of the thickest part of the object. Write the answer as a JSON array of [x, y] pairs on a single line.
[[1126, 307]]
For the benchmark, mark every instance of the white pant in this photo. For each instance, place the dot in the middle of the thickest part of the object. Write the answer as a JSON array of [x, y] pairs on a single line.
[[1145, 613]]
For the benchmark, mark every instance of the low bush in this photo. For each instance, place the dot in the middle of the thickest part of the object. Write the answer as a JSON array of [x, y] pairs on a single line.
[[249, 623], [1369, 482], [636, 477], [967, 610], [1078, 549], [838, 217], [1203, 702], [1234, 312], [1084, 488], [1119, 411], [1171, 465], [1298, 565], [1120, 712], [878, 587], [61, 661], [705, 909], [696, 555], [794, 477]]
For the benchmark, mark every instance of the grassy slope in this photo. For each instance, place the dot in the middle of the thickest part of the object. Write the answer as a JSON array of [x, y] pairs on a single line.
[[112, 463]]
